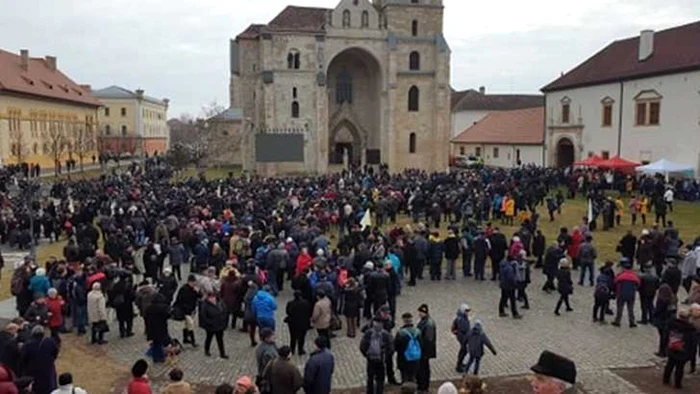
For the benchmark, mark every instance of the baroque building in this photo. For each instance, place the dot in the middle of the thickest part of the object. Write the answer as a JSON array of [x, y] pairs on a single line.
[[366, 79]]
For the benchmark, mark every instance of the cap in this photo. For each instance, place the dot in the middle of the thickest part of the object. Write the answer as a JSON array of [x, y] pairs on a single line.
[[423, 308]]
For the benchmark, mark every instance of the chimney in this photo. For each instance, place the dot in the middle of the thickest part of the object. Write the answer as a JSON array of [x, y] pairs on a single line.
[[24, 59], [167, 102], [646, 44], [51, 61], [482, 89], [86, 88], [139, 93]]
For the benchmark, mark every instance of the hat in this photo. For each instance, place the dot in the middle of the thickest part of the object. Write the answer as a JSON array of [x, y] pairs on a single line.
[[555, 366], [38, 330], [464, 308], [448, 388], [423, 308], [369, 265]]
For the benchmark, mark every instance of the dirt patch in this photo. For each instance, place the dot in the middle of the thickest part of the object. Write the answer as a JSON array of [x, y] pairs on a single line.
[[90, 366], [648, 380]]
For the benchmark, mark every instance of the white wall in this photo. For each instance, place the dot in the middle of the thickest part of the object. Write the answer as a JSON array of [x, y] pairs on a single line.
[[507, 154], [675, 138], [464, 119]]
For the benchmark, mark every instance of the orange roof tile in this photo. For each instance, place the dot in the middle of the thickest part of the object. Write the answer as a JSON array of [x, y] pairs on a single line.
[[521, 126], [39, 80]]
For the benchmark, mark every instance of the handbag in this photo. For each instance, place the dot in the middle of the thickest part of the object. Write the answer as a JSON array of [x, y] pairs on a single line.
[[102, 326]]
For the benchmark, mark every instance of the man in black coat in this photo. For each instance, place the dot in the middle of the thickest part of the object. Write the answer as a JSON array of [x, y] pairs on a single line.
[[499, 245], [298, 312], [157, 315], [9, 347], [186, 305], [552, 258], [378, 288], [213, 318], [428, 333]]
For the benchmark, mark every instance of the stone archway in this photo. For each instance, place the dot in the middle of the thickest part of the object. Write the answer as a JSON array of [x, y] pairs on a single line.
[[565, 153], [354, 106]]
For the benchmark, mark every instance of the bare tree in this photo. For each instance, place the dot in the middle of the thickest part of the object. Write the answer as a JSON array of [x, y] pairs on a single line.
[[212, 109], [57, 145], [19, 146], [84, 143]]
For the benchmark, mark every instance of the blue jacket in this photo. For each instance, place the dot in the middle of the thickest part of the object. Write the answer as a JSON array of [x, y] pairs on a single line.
[[39, 285], [264, 305], [318, 372], [395, 262], [506, 275]]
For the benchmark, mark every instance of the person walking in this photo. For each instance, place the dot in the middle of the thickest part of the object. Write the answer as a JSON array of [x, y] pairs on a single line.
[[664, 313], [565, 286], [38, 360], [522, 278], [428, 333], [352, 303], [507, 282], [157, 333], [318, 371], [587, 255], [553, 256], [476, 341], [649, 284], [626, 285], [264, 306], [460, 329], [298, 318], [282, 376], [680, 347], [375, 345], [186, 306], [213, 318], [321, 315], [231, 295], [408, 347]]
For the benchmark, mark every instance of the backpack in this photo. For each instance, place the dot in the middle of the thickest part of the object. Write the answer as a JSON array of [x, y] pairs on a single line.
[[413, 350], [375, 351], [17, 285], [676, 342], [602, 292]]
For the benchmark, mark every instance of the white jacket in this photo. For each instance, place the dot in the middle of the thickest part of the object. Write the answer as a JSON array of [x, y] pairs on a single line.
[[69, 389]]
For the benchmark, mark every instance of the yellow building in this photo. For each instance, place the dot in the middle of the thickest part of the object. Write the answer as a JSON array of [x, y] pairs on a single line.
[[45, 117], [131, 122]]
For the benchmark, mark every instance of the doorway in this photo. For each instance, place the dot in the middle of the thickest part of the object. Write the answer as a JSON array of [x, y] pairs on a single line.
[[565, 153]]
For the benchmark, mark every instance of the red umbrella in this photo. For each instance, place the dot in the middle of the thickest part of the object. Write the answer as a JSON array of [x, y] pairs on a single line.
[[592, 161], [618, 163]]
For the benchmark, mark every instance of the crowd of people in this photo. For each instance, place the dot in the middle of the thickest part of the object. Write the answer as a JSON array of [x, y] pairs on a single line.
[[216, 254]]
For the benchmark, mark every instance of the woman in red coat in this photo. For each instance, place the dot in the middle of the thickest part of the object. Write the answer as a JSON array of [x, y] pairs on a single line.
[[304, 260], [576, 240], [55, 304]]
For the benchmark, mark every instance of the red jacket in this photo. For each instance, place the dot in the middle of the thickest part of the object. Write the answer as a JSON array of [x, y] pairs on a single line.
[[6, 381], [303, 261], [55, 304], [576, 239], [138, 386]]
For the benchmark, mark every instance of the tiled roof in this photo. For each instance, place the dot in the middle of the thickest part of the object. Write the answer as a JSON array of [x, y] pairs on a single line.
[[473, 100], [675, 50], [229, 114], [40, 80], [292, 18], [116, 92], [522, 126]]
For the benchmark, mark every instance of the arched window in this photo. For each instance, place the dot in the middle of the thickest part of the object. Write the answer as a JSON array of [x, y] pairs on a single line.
[[343, 89], [297, 61], [414, 28], [346, 18], [293, 60], [413, 99], [295, 109], [412, 143], [294, 92], [290, 61], [414, 61], [365, 19]]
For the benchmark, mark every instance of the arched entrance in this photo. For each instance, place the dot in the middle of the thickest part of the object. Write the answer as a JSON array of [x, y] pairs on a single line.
[[565, 153], [354, 94]]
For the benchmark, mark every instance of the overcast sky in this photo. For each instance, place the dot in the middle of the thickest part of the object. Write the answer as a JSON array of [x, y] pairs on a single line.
[[179, 48]]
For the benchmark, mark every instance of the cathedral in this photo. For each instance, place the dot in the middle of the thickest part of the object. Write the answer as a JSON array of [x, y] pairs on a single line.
[[366, 82]]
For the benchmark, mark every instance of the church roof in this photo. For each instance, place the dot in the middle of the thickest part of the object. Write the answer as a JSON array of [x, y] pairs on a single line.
[[517, 127], [292, 18], [675, 50], [472, 100], [117, 92]]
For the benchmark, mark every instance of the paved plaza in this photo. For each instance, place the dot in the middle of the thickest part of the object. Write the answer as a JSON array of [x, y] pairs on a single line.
[[595, 348]]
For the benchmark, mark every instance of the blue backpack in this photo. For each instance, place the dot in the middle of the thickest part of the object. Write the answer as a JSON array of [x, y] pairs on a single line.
[[413, 350]]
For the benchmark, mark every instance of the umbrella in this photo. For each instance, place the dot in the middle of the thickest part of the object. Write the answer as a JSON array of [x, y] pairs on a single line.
[[592, 161]]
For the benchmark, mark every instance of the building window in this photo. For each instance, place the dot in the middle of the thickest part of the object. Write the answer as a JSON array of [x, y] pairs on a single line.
[[294, 92], [605, 155], [495, 153], [108, 130], [414, 61], [654, 112], [565, 112], [648, 108], [414, 1], [365, 19], [124, 131], [123, 111], [413, 99], [414, 28], [517, 155], [641, 114], [346, 18], [293, 60], [412, 143], [295, 109], [607, 115], [477, 151], [106, 111], [35, 148], [343, 91], [461, 150]]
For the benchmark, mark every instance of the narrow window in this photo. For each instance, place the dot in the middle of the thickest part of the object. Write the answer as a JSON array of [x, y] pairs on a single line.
[[641, 114], [605, 155], [412, 143], [413, 99], [477, 151], [414, 28], [654, 112], [295, 109], [106, 111], [346, 18], [123, 111], [461, 150], [607, 115], [294, 92], [290, 61], [495, 153], [124, 131], [108, 130], [365, 19], [297, 61], [414, 61], [565, 113]]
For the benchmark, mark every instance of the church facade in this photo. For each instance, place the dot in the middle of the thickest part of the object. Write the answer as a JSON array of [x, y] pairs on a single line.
[[365, 81]]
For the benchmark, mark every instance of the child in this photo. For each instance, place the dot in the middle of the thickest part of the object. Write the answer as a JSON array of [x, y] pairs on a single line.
[[476, 340]]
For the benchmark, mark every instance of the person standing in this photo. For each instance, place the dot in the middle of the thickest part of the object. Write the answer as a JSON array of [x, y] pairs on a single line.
[[538, 245], [587, 255], [321, 315], [97, 314], [680, 348], [634, 206], [482, 248], [213, 318], [298, 315], [122, 298], [176, 253], [467, 251], [407, 344], [522, 278], [318, 372], [499, 246], [649, 284], [428, 333], [375, 345], [565, 286], [668, 198], [627, 246], [157, 316], [552, 258], [507, 283], [626, 284], [436, 252], [231, 295], [283, 376], [664, 313], [451, 254], [38, 358], [265, 353], [264, 306], [352, 303], [177, 385]]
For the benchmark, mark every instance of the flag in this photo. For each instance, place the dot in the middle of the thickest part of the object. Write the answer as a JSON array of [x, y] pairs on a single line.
[[71, 207], [218, 191], [366, 219], [590, 211]]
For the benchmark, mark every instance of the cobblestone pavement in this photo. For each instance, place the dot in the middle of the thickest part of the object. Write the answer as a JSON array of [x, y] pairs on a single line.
[[594, 348]]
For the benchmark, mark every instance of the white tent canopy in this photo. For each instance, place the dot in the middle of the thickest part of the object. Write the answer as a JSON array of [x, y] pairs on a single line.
[[665, 167]]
